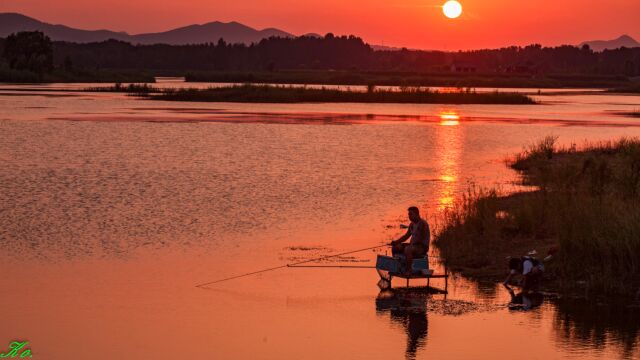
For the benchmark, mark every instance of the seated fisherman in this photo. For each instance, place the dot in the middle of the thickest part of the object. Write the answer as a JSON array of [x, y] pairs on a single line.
[[531, 270], [420, 235]]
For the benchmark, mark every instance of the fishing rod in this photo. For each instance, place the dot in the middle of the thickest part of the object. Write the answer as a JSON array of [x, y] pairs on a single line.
[[294, 264], [334, 266]]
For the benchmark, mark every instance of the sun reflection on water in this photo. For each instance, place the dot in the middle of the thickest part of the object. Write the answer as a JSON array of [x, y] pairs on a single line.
[[449, 118], [450, 139]]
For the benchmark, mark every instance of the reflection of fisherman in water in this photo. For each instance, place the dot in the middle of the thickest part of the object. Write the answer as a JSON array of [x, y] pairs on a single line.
[[524, 301], [407, 307]]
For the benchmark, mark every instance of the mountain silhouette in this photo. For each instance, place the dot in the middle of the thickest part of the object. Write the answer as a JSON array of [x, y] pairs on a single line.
[[624, 40], [232, 32]]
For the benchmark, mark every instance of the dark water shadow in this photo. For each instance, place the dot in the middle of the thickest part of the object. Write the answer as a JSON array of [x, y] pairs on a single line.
[[407, 307], [594, 325], [578, 322], [525, 301]]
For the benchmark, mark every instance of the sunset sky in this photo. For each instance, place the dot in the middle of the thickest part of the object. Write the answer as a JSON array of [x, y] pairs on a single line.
[[410, 23]]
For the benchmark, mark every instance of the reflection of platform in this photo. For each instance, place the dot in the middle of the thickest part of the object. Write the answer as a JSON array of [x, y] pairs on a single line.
[[389, 267], [407, 307]]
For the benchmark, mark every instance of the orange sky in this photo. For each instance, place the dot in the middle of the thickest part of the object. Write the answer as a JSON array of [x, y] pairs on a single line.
[[411, 23]]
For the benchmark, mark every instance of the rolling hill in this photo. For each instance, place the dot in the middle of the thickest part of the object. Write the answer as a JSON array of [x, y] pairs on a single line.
[[231, 32], [624, 40]]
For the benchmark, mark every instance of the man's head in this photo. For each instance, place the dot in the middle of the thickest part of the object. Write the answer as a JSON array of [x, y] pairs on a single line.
[[414, 214]]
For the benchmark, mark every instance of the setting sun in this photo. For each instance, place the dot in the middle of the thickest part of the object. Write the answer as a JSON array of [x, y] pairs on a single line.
[[452, 9]]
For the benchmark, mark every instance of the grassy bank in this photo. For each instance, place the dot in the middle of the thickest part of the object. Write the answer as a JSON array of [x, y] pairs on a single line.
[[390, 78], [587, 204], [289, 94], [135, 89]]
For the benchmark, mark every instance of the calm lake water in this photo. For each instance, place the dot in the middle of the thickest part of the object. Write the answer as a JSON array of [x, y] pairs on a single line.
[[112, 209]]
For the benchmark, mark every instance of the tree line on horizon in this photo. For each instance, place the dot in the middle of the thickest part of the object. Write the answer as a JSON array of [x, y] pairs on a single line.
[[35, 52]]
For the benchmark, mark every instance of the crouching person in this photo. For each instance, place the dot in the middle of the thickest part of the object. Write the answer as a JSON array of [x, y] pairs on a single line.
[[531, 270]]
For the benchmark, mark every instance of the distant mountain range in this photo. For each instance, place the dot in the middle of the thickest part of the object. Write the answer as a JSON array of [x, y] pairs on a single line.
[[624, 40], [231, 32]]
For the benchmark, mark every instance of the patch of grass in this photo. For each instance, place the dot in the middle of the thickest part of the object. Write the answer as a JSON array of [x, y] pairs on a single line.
[[290, 94], [587, 204], [136, 89], [634, 113]]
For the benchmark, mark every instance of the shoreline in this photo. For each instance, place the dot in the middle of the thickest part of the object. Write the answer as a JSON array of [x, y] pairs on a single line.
[[610, 83], [585, 205], [394, 78]]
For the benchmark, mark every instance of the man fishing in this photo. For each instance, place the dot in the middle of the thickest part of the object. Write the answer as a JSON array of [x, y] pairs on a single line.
[[420, 235]]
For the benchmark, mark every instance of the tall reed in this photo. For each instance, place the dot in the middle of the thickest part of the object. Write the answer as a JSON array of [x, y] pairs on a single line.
[[587, 203]]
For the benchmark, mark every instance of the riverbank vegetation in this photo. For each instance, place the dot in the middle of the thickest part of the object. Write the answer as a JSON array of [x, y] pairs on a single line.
[[29, 57], [299, 94], [586, 203], [336, 60], [134, 89]]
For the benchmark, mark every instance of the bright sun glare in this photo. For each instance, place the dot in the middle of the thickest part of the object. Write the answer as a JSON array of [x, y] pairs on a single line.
[[449, 118], [452, 9]]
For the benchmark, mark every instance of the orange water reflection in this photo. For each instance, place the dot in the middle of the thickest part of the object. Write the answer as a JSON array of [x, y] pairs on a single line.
[[116, 222], [449, 118], [449, 144]]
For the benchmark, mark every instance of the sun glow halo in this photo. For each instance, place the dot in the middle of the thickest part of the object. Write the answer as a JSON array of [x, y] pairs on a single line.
[[452, 9]]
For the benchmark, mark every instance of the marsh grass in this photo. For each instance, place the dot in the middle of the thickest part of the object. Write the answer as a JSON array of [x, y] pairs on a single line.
[[136, 89], [587, 204], [301, 94]]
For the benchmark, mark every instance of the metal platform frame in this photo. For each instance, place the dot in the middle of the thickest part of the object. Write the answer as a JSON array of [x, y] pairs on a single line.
[[444, 276]]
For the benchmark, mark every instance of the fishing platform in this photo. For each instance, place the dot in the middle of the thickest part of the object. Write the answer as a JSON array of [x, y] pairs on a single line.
[[389, 267]]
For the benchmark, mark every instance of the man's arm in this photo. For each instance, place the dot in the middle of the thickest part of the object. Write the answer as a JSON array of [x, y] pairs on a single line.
[[507, 280], [403, 238]]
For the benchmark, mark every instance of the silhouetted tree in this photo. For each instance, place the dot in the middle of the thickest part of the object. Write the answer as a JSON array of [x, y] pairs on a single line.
[[330, 52], [29, 50], [68, 64]]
